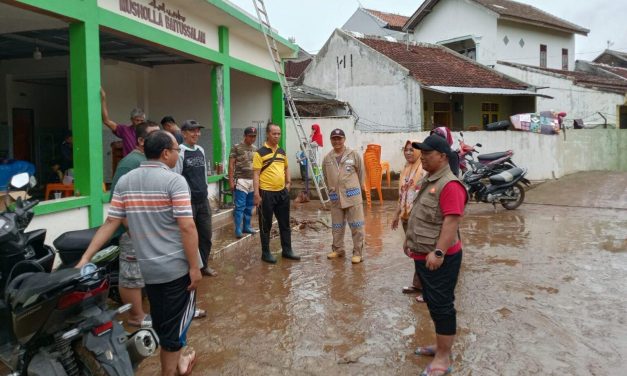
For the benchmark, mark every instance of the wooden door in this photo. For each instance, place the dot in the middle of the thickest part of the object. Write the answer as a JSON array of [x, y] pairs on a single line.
[[23, 125]]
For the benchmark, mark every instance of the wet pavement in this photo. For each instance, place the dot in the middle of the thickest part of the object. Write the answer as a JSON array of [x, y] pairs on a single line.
[[542, 291]]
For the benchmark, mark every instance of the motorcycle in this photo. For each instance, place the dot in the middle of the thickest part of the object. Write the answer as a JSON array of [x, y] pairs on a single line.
[[493, 163], [505, 187], [58, 323]]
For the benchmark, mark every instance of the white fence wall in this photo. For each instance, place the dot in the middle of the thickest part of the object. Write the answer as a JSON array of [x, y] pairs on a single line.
[[545, 156]]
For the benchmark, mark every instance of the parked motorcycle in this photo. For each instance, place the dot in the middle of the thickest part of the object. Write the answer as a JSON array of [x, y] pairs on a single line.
[[505, 187], [21, 251], [493, 163], [58, 323]]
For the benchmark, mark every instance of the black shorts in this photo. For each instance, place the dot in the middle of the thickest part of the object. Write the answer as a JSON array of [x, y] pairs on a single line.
[[172, 309]]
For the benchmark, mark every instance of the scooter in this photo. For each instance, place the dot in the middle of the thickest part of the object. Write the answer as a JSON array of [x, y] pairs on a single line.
[[58, 323], [505, 187]]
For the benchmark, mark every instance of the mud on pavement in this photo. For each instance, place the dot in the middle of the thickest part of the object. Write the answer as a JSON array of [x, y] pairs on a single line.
[[542, 291]]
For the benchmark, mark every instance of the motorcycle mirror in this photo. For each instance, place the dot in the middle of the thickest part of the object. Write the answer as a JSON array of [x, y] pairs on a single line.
[[20, 181], [32, 181], [479, 145]]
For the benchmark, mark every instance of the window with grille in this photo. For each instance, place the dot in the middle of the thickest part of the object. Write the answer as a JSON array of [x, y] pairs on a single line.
[[489, 113], [543, 55], [565, 58]]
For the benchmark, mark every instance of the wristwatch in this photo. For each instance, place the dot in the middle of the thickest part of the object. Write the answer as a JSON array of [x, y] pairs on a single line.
[[439, 253]]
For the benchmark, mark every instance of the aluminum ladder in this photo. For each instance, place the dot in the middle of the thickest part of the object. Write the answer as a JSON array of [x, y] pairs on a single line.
[[303, 140]]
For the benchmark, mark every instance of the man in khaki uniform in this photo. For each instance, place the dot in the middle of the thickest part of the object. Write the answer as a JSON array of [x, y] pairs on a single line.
[[344, 174]]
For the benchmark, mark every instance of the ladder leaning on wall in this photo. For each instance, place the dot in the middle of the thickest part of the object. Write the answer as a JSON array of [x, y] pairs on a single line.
[[303, 140]]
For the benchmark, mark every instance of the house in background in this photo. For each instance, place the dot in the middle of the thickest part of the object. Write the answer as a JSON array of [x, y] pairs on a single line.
[[497, 30], [612, 58], [400, 87], [377, 23]]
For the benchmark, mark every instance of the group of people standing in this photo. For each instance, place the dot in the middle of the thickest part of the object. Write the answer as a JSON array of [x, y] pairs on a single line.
[[159, 193]]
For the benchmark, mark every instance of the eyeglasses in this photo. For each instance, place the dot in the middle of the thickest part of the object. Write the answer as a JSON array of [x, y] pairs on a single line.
[[177, 149]]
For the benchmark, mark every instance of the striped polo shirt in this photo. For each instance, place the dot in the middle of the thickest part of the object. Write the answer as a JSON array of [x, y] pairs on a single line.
[[151, 198], [273, 177]]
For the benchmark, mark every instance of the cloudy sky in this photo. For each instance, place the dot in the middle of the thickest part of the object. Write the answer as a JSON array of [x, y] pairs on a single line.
[[312, 22]]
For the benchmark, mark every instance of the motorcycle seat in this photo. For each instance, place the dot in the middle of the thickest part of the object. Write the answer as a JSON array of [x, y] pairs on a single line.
[[493, 156], [27, 285], [507, 176]]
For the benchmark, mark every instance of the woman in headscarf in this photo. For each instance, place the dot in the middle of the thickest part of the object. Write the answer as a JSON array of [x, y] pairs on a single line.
[[316, 141], [407, 189]]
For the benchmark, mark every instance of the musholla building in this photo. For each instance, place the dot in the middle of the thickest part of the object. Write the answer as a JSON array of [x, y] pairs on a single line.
[[190, 59]]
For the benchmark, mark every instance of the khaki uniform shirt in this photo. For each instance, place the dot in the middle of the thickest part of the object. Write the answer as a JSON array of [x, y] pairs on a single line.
[[344, 179]]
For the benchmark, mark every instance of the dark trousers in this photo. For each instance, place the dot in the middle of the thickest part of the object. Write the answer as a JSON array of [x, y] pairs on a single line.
[[277, 203], [202, 218], [438, 290]]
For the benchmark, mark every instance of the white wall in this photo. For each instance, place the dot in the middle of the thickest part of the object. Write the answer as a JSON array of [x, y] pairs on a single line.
[[579, 102], [545, 156], [251, 104], [533, 37], [59, 223], [379, 89], [242, 48], [363, 22], [457, 18]]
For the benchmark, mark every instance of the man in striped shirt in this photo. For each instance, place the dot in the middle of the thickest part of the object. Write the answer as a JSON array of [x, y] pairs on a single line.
[[155, 204]]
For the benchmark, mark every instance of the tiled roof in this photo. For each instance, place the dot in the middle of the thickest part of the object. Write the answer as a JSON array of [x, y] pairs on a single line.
[[507, 9], [606, 56], [616, 70], [587, 79], [433, 65], [293, 69], [394, 21]]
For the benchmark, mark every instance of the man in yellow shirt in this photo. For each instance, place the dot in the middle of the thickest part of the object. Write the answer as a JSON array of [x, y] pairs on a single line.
[[271, 182]]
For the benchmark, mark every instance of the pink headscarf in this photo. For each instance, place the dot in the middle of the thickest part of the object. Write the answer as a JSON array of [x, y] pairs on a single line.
[[316, 135], [445, 133]]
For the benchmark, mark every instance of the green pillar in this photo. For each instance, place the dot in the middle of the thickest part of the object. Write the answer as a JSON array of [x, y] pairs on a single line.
[[86, 121], [278, 111], [221, 103]]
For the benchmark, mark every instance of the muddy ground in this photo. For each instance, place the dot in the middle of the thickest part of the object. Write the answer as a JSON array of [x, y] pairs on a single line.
[[542, 291]]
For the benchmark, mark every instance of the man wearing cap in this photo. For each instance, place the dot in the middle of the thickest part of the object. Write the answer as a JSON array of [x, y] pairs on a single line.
[[125, 132], [271, 182], [433, 241], [192, 164], [343, 171], [241, 181], [169, 124]]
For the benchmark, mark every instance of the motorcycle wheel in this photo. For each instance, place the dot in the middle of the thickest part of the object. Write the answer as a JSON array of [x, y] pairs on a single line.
[[517, 191], [87, 362]]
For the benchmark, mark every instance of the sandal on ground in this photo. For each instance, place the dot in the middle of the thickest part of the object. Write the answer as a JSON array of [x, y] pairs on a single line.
[[436, 371], [186, 361], [200, 313], [144, 324], [411, 289], [425, 350], [420, 299]]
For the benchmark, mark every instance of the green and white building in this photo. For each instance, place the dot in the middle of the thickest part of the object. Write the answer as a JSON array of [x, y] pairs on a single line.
[[193, 59]]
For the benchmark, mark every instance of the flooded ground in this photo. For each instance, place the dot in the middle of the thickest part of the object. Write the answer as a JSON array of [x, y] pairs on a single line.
[[542, 291]]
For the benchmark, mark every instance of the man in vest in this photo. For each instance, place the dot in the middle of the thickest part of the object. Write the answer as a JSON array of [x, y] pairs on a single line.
[[344, 174], [271, 183], [241, 181], [433, 242], [192, 164]]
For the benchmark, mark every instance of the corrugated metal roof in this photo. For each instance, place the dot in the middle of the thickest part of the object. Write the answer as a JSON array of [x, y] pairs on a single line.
[[484, 90]]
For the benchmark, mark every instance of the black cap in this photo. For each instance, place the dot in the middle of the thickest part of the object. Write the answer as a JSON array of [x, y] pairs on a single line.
[[433, 142], [337, 132], [167, 119], [190, 124], [250, 131]]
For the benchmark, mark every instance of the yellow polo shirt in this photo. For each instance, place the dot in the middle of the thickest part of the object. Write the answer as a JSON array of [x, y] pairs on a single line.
[[273, 177]]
